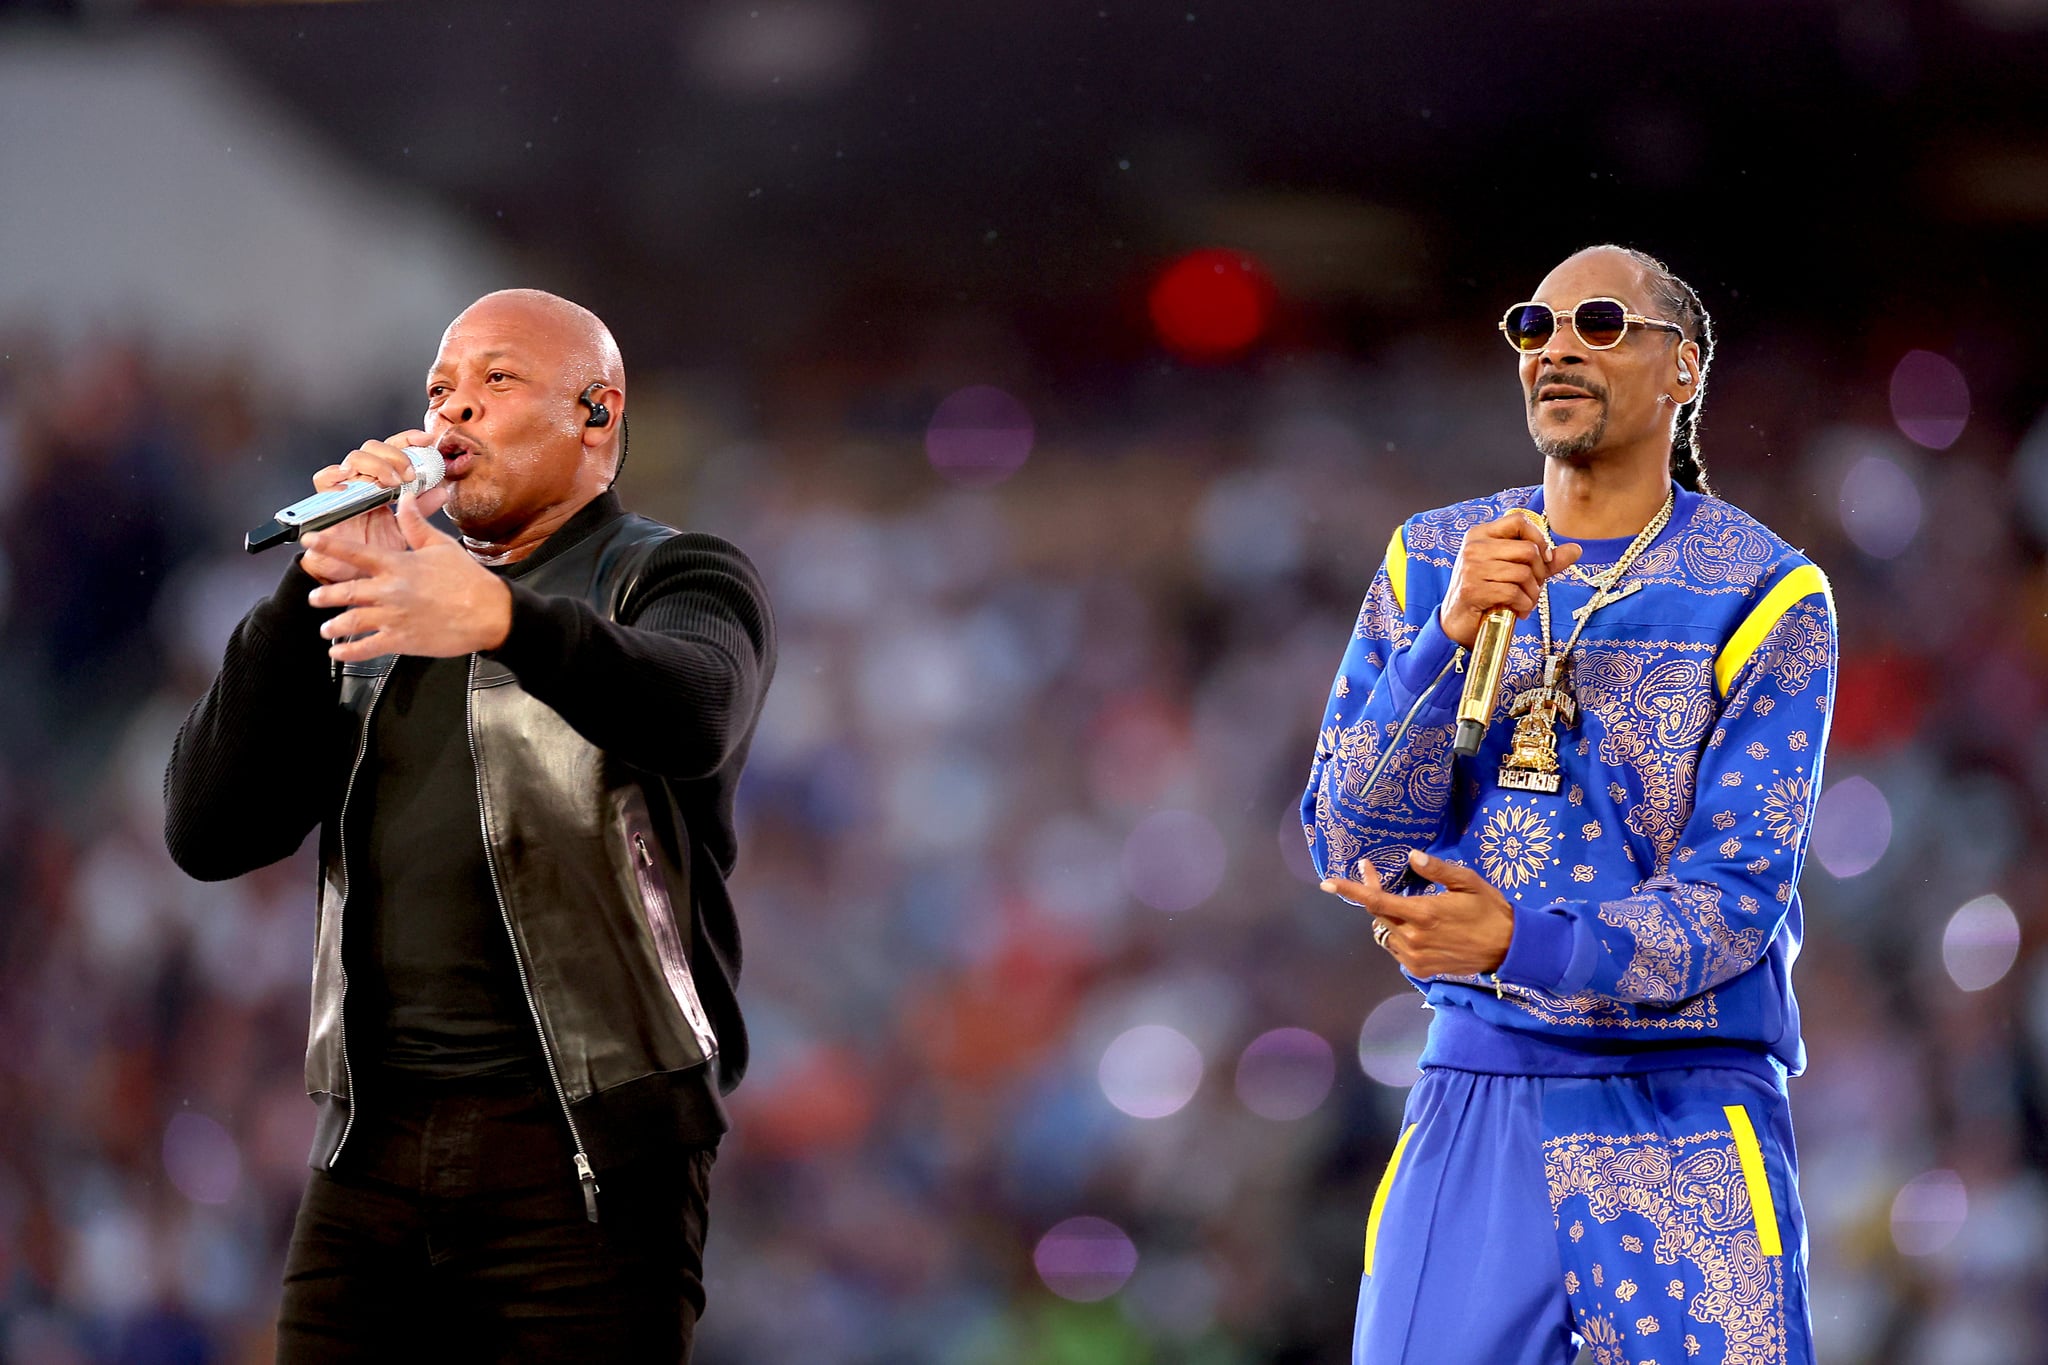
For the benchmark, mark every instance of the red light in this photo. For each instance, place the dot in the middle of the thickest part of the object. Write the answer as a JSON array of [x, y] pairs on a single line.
[[1211, 305]]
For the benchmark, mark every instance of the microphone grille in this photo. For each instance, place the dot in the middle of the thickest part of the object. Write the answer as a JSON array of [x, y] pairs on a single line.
[[432, 468]]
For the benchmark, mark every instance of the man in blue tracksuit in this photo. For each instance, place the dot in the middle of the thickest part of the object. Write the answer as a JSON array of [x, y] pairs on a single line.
[[1601, 908]]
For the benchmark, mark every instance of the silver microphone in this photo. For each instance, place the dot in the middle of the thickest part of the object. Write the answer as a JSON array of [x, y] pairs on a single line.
[[321, 510]]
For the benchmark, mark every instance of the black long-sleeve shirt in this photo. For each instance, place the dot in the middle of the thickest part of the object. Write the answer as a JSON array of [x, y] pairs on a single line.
[[434, 987], [674, 690]]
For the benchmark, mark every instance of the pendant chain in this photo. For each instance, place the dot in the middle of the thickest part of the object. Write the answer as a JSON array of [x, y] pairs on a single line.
[[1531, 763], [1604, 582]]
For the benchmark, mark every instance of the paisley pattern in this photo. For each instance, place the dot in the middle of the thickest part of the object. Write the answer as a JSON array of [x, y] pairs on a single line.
[[1676, 700], [1648, 722], [1800, 646], [1682, 863], [1724, 548], [1729, 951], [1435, 537], [1721, 551], [1689, 1196], [1662, 964], [1379, 826], [1379, 617], [1700, 1014]]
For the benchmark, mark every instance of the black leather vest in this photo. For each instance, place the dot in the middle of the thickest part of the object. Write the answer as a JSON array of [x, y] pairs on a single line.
[[590, 861]]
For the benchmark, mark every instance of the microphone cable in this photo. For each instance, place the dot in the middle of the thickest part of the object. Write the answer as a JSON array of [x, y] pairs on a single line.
[[1379, 769]]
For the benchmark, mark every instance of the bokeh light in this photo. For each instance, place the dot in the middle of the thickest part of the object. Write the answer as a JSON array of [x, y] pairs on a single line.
[[201, 1159], [1085, 1259], [1880, 507], [1930, 399], [1980, 943], [1211, 305], [979, 436], [1173, 860], [1852, 827], [1286, 1074], [1150, 1071], [1390, 1043], [1928, 1213], [1294, 850]]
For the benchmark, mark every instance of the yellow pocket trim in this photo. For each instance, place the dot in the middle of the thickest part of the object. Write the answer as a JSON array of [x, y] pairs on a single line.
[[1379, 1199], [1802, 582], [1760, 1204], [1397, 569]]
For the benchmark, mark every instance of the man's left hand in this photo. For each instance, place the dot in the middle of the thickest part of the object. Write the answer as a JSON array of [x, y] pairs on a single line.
[[1463, 931], [431, 599]]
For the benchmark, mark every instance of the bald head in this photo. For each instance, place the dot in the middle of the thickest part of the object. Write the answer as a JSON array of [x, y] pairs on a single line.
[[576, 337]]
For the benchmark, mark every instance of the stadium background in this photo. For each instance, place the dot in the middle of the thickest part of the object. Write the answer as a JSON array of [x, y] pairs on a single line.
[[1066, 528]]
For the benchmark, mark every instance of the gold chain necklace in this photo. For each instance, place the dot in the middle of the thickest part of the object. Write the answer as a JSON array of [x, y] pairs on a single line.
[[1543, 711]]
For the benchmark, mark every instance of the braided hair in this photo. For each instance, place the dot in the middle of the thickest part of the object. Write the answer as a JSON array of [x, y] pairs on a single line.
[[1677, 300]]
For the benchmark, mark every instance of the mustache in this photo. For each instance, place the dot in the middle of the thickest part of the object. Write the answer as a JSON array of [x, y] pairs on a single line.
[[1588, 385]]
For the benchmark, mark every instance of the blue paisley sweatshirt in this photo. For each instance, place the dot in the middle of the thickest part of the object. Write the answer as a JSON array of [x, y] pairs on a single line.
[[1655, 896]]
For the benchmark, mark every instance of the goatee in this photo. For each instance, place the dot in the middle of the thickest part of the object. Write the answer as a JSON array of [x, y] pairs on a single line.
[[1570, 447]]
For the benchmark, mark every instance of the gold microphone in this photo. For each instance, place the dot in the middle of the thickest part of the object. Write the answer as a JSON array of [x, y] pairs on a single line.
[[1489, 658], [1482, 679]]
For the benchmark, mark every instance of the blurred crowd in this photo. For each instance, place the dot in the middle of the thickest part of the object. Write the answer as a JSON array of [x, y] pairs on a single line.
[[1022, 878]]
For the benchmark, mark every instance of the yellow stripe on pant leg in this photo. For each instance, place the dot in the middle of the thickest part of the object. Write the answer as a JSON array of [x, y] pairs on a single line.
[[1379, 1199], [1760, 1205]]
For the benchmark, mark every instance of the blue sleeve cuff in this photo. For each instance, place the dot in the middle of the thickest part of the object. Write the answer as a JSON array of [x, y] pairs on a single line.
[[1415, 667], [1551, 951]]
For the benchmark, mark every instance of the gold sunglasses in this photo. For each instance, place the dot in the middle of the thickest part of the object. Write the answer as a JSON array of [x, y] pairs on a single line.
[[1600, 323]]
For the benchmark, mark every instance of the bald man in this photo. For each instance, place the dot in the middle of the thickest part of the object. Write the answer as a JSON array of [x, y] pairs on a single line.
[[520, 747]]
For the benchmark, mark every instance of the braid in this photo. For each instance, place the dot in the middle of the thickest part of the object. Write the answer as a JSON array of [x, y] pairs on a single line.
[[1677, 298]]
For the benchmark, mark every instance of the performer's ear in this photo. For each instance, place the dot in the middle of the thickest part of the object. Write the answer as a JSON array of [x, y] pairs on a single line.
[[607, 404], [600, 415]]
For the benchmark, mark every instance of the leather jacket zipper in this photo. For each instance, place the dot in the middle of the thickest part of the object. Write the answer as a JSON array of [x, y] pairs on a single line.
[[341, 910], [585, 1176], [668, 945]]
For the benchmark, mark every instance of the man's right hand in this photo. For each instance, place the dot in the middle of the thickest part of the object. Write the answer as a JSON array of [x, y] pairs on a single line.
[[383, 462], [1502, 563]]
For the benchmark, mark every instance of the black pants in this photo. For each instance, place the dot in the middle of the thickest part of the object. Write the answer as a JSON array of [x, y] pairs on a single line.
[[453, 1229]]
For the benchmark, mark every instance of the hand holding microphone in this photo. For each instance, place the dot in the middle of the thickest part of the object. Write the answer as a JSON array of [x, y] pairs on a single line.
[[1500, 572], [368, 478]]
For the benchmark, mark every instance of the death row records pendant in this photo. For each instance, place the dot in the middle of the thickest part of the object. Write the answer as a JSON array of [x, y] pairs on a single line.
[[1517, 779], [1531, 764]]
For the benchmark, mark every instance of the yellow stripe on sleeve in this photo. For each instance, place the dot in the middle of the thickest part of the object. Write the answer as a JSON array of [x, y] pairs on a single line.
[[1802, 582], [1760, 1205], [1379, 1199], [1397, 569]]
